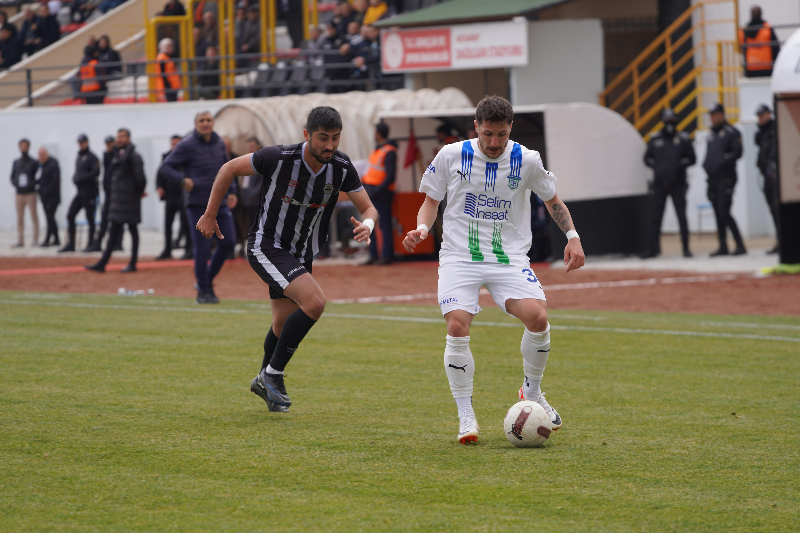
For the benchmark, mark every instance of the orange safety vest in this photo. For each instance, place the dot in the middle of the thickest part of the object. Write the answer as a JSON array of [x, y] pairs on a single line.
[[170, 72], [376, 172], [757, 51], [89, 83]]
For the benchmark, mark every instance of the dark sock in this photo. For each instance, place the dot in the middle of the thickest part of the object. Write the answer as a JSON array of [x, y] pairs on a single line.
[[294, 330], [270, 342]]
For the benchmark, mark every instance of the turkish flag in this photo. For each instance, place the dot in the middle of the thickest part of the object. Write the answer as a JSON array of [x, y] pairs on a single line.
[[413, 150]]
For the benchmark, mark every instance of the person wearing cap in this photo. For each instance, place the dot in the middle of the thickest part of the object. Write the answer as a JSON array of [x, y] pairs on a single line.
[[767, 162], [87, 171], [48, 178], [723, 149], [23, 178], [379, 183], [108, 155], [171, 194], [669, 153]]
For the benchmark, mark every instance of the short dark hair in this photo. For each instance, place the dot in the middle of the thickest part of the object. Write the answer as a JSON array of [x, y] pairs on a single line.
[[24, 140], [254, 140], [323, 118], [382, 128], [494, 109], [126, 130], [176, 136]]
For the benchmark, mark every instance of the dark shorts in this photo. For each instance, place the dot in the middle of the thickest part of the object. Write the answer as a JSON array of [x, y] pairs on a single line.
[[276, 267]]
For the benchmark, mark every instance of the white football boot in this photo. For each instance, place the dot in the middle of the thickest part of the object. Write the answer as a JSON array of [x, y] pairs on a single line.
[[468, 430], [552, 413]]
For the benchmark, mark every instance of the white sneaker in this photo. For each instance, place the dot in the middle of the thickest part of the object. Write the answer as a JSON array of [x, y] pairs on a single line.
[[468, 430], [552, 413]]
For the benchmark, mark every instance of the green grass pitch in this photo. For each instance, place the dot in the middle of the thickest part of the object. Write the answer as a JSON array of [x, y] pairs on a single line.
[[134, 414]]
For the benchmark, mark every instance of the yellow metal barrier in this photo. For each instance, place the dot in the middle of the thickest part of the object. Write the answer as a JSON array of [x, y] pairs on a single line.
[[649, 83]]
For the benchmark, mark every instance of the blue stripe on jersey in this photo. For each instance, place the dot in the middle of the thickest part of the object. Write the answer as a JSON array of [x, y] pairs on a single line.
[[491, 176], [516, 160], [467, 153]]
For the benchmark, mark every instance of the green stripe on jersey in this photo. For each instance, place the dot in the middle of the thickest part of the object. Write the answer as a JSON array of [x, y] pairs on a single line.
[[474, 237], [497, 244]]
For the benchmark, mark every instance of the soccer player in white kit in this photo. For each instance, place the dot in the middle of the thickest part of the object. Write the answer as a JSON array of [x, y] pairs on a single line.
[[487, 234]]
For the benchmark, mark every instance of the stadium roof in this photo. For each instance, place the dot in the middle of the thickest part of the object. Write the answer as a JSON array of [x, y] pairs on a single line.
[[462, 11]]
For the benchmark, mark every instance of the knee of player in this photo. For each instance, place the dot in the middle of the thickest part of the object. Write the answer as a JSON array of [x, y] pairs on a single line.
[[538, 321], [457, 329], [316, 306]]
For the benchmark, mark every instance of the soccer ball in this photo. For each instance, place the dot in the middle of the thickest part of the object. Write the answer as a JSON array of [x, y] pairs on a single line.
[[527, 425]]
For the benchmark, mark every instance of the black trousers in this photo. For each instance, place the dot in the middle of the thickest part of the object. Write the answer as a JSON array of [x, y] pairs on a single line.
[[115, 235], [89, 204], [384, 208], [170, 210], [676, 191], [52, 227], [104, 218], [720, 194], [771, 194]]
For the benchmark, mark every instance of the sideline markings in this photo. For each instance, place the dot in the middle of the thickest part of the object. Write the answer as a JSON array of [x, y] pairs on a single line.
[[680, 333], [750, 325]]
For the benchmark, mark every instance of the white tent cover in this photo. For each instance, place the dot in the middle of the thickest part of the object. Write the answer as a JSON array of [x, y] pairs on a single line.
[[786, 73], [280, 120]]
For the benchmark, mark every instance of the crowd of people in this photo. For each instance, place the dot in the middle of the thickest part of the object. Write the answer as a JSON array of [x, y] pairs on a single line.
[[39, 30]]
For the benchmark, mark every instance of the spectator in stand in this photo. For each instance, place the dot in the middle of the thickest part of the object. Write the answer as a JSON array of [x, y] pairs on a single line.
[[93, 86], [127, 190], [250, 41], [10, 48], [207, 34], [107, 5], [759, 45], [377, 10], [239, 23], [249, 197], [342, 16], [4, 23], [194, 163], [87, 172], [109, 58], [47, 30], [27, 33], [208, 78], [81, 10], [359, 10], [23, 178], [368, 55], [108, 157], [49, 179], [354, 36], [168, 82], [171, 193], [291, 12], [314, 43], [331, 44], [174, 8]]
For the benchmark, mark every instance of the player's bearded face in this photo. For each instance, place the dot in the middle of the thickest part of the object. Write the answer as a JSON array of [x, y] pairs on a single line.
[[493, 137], [322, 144]]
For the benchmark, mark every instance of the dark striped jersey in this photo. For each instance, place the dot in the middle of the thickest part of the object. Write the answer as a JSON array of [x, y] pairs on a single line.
[[296, 204]]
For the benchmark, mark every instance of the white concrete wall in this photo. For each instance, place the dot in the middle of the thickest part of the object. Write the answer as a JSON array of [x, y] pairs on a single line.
[[565, 63], [57, 129]]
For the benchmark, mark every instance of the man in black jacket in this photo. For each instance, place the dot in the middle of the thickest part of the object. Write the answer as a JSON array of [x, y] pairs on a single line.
[[767, 142], [127, 189], [87, 170], [108, 156], [49, 179], [23, 178], [724, 148], [10, 47], [669, 154], [170, 192], [47, 29]]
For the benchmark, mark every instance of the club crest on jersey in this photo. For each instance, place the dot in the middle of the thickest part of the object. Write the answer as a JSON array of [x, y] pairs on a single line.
[[430, 170], [328, 188], [513, 182]]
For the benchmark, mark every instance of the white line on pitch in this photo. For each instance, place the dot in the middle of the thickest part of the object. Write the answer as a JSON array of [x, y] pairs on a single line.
[[750, 325]]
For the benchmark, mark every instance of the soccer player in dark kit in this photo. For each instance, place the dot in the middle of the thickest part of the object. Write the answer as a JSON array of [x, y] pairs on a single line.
[[299, 191]]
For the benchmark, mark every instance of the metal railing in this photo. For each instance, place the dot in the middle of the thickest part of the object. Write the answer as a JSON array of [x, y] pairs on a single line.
[[257, 75]]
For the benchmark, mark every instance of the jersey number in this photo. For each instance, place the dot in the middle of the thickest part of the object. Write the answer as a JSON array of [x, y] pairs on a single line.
[[531, 276]]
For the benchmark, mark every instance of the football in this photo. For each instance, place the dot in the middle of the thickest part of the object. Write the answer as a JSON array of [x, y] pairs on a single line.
[[527, 425]]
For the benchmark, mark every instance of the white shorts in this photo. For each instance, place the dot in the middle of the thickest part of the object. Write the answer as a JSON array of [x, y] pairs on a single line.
[[460, 284]]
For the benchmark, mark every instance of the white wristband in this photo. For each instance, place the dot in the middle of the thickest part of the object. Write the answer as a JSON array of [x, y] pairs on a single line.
[[423, 226], [370, 224], [572, 234]]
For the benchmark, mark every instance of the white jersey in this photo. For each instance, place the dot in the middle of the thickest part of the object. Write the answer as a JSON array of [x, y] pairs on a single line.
[[488, 214]]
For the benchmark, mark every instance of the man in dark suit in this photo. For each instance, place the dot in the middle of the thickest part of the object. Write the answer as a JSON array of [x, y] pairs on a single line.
[[49, 179], [171, 193]]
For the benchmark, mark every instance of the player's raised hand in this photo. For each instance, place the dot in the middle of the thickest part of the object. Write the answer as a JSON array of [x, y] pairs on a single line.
[[413, 238], [208, 227], [361, 231], [573, 255]]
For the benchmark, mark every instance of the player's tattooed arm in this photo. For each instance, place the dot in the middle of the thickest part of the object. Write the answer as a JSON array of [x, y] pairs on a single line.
[[573, 252], [561, 216]]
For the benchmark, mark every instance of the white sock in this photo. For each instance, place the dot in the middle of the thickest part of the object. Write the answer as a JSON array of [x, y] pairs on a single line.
[[535, 348], [465, 407], [271, 370], [459, 367]]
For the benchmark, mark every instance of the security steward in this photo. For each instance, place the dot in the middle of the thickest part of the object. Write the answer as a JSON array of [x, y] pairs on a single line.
[[669, 154], [759, 45], [724, 148], [87, 172], [168, 82], [171, 194], [379, 183], [108, 156], [767, 142], [93, 88]]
